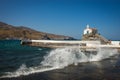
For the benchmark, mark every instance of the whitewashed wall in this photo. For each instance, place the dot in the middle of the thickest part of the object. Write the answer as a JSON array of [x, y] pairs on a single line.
[[115, 42]]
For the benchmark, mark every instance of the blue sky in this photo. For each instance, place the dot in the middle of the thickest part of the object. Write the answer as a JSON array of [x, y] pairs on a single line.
[[65, 17]]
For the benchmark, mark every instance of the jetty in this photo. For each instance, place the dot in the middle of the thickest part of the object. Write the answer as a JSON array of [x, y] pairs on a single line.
[[91, 40]]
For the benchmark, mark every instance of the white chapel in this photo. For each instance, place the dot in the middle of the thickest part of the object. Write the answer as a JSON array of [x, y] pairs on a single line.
[[89, 30]]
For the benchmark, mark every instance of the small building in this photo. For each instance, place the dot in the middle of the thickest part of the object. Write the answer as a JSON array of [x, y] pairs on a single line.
[[92, 34], [89, 30]]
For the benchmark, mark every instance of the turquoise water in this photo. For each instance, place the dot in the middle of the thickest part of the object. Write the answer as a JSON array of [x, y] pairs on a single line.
[[18, 62], [13, 55]]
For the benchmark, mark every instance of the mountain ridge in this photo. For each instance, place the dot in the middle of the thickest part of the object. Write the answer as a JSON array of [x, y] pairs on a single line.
[[20, 32]]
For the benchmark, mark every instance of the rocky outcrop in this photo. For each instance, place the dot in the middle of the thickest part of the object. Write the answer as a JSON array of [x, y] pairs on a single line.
[[95, 37]]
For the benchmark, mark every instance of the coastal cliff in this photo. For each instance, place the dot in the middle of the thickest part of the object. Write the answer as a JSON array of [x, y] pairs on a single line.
[[12, 32]]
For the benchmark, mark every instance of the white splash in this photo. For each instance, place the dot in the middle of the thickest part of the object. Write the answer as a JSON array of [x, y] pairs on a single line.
[[67, 56], [23, 70], [62, 57]]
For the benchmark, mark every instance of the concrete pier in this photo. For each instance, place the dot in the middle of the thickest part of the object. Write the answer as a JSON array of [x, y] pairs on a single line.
[[60, 44]]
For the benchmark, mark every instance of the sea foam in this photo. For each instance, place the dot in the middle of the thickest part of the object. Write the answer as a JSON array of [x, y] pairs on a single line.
[[62, 57]]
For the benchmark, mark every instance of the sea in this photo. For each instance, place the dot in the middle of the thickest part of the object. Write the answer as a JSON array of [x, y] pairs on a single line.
[[22, 62]]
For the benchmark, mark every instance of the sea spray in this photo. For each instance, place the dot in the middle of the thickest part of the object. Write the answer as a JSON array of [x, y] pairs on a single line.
[[62, 57], [67, 56]]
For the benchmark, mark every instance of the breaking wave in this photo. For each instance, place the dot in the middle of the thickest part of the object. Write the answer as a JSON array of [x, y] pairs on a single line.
[[62, 57]]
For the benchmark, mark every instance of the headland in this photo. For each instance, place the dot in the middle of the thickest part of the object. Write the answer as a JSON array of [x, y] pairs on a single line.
[[91, 39]]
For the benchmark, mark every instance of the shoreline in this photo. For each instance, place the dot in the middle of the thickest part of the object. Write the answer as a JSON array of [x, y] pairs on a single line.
[[83, 71]]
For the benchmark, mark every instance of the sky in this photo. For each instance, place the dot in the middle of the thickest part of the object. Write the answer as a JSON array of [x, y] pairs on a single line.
[[64, 17]]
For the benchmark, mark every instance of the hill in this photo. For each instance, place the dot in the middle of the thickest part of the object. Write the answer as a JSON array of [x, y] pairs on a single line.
[[12, 32]]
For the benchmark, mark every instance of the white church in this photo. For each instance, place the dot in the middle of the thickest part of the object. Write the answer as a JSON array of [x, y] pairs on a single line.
[[89, 30]]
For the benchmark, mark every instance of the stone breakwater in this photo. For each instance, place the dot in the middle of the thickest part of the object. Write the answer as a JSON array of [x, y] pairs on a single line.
[[75, 43]]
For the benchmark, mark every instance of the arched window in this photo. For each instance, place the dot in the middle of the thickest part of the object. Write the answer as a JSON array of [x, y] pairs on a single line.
[[87, 32]]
